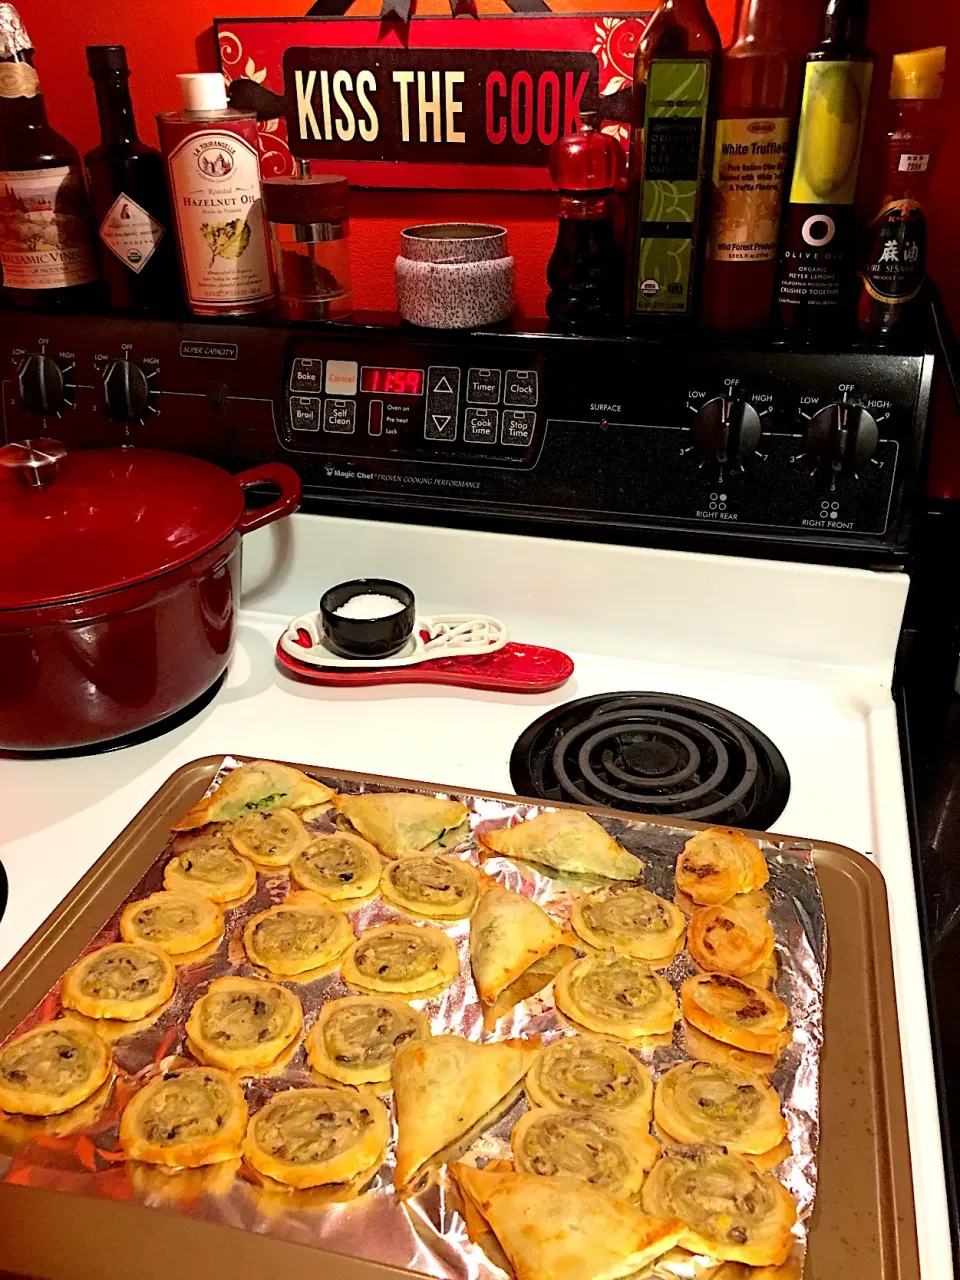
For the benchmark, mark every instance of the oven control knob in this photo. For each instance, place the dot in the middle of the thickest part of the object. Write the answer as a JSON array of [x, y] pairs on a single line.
[[41, 384], [841, 438], [127, 391], [727, 431]]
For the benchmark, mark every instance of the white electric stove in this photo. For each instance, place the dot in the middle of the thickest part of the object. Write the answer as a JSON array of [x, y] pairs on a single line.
[[802, 653]]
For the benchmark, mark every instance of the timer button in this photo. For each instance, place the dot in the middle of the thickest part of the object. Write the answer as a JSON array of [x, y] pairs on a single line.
[[41, 384], [727, 431], [483, 386], [126, 390], [841, 438]]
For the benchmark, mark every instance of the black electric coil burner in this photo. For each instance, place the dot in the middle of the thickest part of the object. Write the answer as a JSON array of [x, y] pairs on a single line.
[[653, 753]]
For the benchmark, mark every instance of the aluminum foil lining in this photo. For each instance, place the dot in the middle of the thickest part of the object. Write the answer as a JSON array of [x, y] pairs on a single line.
[[79, 1152]]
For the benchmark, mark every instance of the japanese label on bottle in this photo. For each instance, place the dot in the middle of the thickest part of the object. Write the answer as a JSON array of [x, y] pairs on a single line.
[[215, 184], [896, 261], [131, 233], [44, 230], [913, 163], [749, 167], [674, 128], [833, 113]]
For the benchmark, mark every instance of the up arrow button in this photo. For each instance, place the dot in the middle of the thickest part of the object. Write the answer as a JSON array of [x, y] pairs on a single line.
[[443, 403]]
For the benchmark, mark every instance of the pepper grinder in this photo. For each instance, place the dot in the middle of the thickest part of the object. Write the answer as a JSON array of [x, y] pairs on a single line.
[[584, 269]]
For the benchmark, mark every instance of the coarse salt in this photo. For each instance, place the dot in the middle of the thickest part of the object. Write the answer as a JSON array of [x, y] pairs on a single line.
[[370, 606]]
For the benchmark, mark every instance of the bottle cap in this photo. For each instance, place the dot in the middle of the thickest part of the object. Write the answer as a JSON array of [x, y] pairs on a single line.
[[318, 197], [106, 57], [203, 91], [918, 74], [13, 34]]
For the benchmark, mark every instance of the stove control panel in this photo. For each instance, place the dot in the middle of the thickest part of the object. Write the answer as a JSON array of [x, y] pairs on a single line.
[[764, 445]]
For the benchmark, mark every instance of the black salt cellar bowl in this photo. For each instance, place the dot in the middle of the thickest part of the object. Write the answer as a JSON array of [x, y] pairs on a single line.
[[367, 638]]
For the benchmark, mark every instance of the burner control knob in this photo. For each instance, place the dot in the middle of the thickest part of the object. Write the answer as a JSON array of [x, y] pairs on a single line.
[[727, 431], [127, 391], [41, 384], [841, 438]]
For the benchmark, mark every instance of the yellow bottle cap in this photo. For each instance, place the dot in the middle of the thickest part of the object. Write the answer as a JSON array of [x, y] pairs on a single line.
[[918, 74]]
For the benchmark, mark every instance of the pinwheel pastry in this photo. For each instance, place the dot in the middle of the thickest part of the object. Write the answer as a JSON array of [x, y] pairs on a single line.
[[243, 1024], [215, 871], [704, 1048], [315, 1137], [700, 1102], [304, 932], [355, 1039], [51, 1068], [401, 822], [565, 840], [583, 1145], [735, 1012], [729, 1209], [185, 1118], [431, 884], [408, 959], [271, 839], [123, 980], [584, 1074], [631, 920], [729, 939], [508, 933], [719, 863], [338, 866], [177, 921], [616, 995], [262, 784]]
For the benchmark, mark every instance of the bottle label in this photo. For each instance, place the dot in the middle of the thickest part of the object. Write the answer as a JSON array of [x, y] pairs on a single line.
[[749, 167], [817, 256], [215, 184], [44, 229], [131, 233], [674, 133], [913, 163], [833, 113], [896, 261], [18, 80]]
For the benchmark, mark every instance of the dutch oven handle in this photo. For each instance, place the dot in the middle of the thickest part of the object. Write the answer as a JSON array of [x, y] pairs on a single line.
[[286, 480]]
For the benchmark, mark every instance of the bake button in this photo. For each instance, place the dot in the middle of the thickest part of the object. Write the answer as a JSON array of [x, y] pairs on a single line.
[[306, 375], [341, 378], [522, 388], [518, 427], [480, 426], [340, 416], [483, 386], [305, 413]]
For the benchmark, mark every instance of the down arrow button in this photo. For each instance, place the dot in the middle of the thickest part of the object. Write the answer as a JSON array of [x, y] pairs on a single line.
[[443, 403]]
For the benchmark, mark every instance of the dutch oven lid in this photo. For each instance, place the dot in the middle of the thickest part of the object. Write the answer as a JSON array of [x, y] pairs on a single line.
[[91, 521]]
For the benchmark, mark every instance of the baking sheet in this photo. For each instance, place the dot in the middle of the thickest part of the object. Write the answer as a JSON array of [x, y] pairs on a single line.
[[427, 1233]]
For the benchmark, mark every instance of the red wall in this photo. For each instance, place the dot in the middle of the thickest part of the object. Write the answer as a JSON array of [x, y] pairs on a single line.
[[175, 35]]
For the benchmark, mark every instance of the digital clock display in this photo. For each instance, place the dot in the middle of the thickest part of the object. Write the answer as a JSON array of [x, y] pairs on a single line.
[[394, 382]]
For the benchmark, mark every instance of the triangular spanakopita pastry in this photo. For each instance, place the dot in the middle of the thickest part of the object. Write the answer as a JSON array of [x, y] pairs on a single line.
[[446, 1088], [563, 1228], [508, 933], [400, 822], [251, 788], [565, 840]]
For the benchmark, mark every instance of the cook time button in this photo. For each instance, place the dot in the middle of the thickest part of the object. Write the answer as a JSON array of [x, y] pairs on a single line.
[[518, 427], [483, 386], [522, 388], [305, 413], [480, 426]]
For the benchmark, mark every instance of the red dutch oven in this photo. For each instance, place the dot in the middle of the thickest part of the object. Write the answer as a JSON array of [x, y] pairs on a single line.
[[119, 582]]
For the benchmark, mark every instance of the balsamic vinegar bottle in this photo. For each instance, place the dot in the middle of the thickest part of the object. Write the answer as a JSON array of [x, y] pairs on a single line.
[[128, 193]]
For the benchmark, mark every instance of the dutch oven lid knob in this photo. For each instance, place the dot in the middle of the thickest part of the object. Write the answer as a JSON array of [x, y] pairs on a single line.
[[34, 462]]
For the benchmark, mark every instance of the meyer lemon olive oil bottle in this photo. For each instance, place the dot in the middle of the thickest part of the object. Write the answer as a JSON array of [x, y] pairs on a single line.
[[817, 260]]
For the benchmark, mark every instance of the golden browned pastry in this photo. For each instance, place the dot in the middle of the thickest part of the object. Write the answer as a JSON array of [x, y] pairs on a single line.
[[401, 822], [271, 839], [176, 921], [792, 1269], [16, 1129], [728, 1209], [583, 1145], [563, 1229], [338, 866], [215, 871], [123, 980], [401, 958], [187, 1118], [766, 1161], [304, 932], [735, 1012], [261, 784], [446, 1089], [697, 1102], [431, 884], [312, 1137], [243, 1024], [355, 1039], [718, 863], [183, 1186], [567, 840], [728, 939], [51, 1068], [705, 1049], [629, 919], [508, 933], [531, 981], [617, 995], [587, 1075]]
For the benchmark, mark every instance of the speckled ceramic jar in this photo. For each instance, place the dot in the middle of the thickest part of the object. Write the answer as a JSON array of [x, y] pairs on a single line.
[[454, 275]]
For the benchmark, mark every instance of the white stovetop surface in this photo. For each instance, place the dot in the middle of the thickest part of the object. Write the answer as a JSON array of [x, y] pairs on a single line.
[[804, 654]]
